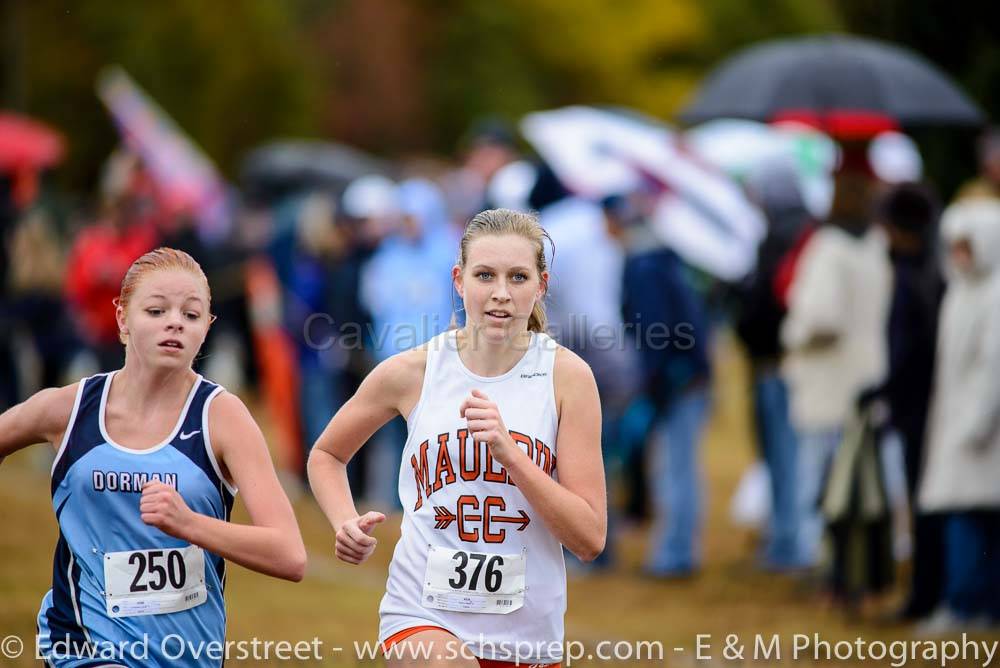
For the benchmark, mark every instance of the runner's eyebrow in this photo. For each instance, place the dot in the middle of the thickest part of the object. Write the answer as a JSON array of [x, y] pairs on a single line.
[[486, 267], [191, 298]]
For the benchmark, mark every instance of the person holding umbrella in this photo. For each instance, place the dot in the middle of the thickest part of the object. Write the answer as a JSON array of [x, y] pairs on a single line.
[[835, 333]]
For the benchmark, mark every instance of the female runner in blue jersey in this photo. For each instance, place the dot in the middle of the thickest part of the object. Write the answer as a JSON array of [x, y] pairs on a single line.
[[148, 461]]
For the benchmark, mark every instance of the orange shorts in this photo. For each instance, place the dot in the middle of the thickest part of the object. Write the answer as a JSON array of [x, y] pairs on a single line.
[[400, 636]]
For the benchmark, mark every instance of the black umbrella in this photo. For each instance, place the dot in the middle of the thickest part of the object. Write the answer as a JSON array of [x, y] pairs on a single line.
[[835, 82], [274, 170]]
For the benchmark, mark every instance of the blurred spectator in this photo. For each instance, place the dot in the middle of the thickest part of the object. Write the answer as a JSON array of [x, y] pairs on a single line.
[[34, 289], [909, 212], [103, 252], [987, 184], [489, 145], [775, 187], [303, 247], [32, 310], [421, 252], [834, 333], [963, 446], [669, 322]]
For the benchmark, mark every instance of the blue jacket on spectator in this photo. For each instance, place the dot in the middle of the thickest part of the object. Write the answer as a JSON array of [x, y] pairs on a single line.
[[667, 322]]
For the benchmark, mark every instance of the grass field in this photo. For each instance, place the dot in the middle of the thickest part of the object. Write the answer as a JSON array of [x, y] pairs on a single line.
[[338, 603]]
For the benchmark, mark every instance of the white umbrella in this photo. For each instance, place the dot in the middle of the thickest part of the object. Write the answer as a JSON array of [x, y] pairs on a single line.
[[740, 146], [704, 215]]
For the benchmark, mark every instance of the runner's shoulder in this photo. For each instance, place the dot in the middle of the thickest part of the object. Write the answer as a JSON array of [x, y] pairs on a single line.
[[572, 375], [401, 373], [47, 412], [570, 367]]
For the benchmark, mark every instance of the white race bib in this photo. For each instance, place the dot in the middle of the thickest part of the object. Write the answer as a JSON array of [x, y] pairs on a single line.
[[463, 581], [154, 582]]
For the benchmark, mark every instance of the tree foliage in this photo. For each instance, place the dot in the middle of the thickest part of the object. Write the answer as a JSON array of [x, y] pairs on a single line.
[[230, 73], [411, 75], [438, 64]]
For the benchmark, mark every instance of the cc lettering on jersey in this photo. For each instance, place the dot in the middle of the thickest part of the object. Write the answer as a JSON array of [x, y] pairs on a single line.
[[474, 518]]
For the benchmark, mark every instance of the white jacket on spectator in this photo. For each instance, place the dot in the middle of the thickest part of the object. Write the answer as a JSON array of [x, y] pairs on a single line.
[[840, 295], [962, 466]]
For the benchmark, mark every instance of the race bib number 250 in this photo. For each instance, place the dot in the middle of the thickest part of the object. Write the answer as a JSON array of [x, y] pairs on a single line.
[[154, 582], [463, 581]]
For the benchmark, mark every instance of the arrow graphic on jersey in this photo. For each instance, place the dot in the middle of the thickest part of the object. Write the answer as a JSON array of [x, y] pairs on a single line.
[[443, 518], [523, 520]]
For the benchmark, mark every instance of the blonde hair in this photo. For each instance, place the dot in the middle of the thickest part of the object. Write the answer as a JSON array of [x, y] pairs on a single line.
[[162, 258], [496, 222]]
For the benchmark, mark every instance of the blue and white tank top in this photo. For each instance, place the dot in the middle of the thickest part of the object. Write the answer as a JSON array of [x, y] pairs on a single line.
[[118, 582]]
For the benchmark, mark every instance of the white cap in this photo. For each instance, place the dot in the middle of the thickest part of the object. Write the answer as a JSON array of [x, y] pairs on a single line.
[[371, 196], [895, 158], [511, 186]]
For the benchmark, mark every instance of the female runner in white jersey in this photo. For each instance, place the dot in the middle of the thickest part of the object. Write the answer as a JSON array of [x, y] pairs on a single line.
[[501, 468], [148, 461]]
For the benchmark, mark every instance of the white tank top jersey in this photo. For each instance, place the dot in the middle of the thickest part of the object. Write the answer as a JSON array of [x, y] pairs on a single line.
[[474, 557]]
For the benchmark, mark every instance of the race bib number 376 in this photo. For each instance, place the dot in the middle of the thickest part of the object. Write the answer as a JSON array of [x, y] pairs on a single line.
[[154, 582], [463, 581]]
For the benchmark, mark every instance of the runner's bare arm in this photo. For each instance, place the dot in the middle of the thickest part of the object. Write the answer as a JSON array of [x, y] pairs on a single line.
[[39, 419], [272, 543], [575, 508], [392, 388]]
